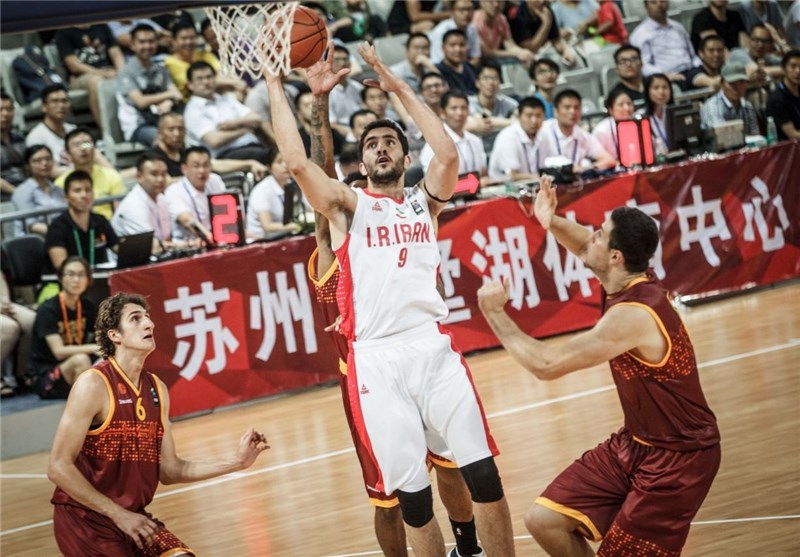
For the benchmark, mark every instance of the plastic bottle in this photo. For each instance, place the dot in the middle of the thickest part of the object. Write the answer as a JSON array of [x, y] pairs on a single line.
[[660, 151], [772, 131]]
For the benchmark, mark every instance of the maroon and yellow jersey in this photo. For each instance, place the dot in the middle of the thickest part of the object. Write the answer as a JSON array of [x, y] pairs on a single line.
[[121, 456], [325, 288], [663, 402]]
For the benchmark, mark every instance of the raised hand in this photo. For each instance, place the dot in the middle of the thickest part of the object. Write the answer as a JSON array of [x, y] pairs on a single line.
[[387, 80], [544, 206], [494, 295], [320, 77]]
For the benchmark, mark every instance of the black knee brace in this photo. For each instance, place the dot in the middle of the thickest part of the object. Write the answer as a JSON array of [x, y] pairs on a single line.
[[417, 507], [483, 481]]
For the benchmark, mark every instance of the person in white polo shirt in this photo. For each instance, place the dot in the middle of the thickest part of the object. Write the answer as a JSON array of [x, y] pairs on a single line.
[[515, 155], [563, 137]]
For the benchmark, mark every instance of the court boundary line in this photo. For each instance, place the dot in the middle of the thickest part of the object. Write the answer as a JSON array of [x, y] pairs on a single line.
[[791, 343]]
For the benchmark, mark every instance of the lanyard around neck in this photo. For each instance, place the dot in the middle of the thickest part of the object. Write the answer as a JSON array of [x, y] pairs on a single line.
[[80, 247], [191, 198], [558, 144], [78, 324]]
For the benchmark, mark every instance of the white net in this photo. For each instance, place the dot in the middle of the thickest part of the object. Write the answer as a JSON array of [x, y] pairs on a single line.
[[253, 38]]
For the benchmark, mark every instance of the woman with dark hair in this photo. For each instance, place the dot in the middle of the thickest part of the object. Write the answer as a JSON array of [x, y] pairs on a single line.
[[620, 107], [63, 345], [38, 191], [266, 202], [657, 95]]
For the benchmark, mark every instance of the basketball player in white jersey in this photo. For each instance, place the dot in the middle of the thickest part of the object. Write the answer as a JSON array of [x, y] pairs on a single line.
[[410, 389]]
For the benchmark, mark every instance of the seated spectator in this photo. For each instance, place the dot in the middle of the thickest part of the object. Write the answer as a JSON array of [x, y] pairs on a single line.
[[658, 94], [62, 344], [495, 34], [349, 160], [791, 24], [515, 155], [544, 75], [38, 191], [414, 16], [16, 327], [563, 137], [90, 55], [717, 19], [764, 12], [609, 24], [257, 100], [304, 103], [471, 155], [417, 62], [490, 111], [219, 122], [345, 98], [620, 107], [664, 44], [533, 24], [145, 208], [171, 145], [353, 21], [575, 16], [358, 123], [784, 102], [385, 106], [712, 53], [628, 63], [145, 89], [761, 62], [78, 231], [54, 128], [122, 31], [107, 181], [266, 202], [186, 53], [432, 86], [462, 12], [210, 37], [456, 71], [188, 206], [12, 161], [729, 103]]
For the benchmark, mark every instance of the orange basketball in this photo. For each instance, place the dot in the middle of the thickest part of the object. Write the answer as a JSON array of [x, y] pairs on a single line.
[[309, 38]]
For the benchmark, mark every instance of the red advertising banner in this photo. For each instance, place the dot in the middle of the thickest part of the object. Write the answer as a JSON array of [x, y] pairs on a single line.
[[240, 324]]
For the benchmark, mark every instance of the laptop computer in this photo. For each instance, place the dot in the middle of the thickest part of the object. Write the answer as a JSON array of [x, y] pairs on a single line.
[[134, 250]]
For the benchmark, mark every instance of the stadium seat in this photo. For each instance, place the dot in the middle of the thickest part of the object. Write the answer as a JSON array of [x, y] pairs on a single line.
[[585, 82], [119, 152], [25, 257], [608, 78], [515, 76], [391, 49]]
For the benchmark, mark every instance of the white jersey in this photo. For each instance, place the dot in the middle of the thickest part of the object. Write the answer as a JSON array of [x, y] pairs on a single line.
[[389, 264]]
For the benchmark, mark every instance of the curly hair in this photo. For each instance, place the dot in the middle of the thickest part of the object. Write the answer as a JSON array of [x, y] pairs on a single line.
[[109, 316]]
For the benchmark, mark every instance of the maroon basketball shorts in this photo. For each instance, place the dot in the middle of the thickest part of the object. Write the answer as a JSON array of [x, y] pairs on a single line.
[[638, 499]]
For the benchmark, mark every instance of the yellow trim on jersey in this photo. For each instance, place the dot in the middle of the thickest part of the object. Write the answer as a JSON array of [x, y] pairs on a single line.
[[178, 551], [442, 462], [115, 365], [112, 404], [661, 326], [162, 406], [642, 441], [342, 367], [572, 513], [390, 504], [312, 271], [631, 284]]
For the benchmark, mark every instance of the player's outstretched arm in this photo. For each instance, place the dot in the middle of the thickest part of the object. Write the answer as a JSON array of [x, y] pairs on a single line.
[[88, 403], [622, 329], [571, 235], [442, 172], [174, 469], [326, 195]]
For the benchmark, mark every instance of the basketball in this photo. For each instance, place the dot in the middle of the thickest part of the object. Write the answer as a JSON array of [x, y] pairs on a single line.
[[309, 38]]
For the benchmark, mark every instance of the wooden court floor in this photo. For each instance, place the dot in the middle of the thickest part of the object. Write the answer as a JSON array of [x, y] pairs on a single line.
[[304, 496]]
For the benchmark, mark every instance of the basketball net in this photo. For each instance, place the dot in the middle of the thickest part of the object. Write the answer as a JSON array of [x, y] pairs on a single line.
[[253, 38]]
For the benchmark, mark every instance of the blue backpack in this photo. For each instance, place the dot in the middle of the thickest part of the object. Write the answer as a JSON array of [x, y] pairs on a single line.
[[34, 73]]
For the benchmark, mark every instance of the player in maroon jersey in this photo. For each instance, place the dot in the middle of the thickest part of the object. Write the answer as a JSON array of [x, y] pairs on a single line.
[[114, 444], [639, 490]]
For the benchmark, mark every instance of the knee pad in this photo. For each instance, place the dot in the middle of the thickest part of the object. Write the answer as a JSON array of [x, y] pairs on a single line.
[[483, 481], [417, 507]]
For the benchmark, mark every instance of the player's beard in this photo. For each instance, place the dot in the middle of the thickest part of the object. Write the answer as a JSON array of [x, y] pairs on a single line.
[[388, 176]]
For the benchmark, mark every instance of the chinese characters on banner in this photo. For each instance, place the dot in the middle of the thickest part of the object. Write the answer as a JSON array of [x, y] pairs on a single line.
[[240, 324]]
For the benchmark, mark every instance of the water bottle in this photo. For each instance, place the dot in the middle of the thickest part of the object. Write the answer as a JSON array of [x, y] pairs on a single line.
[[772, 131], [660, 151]]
